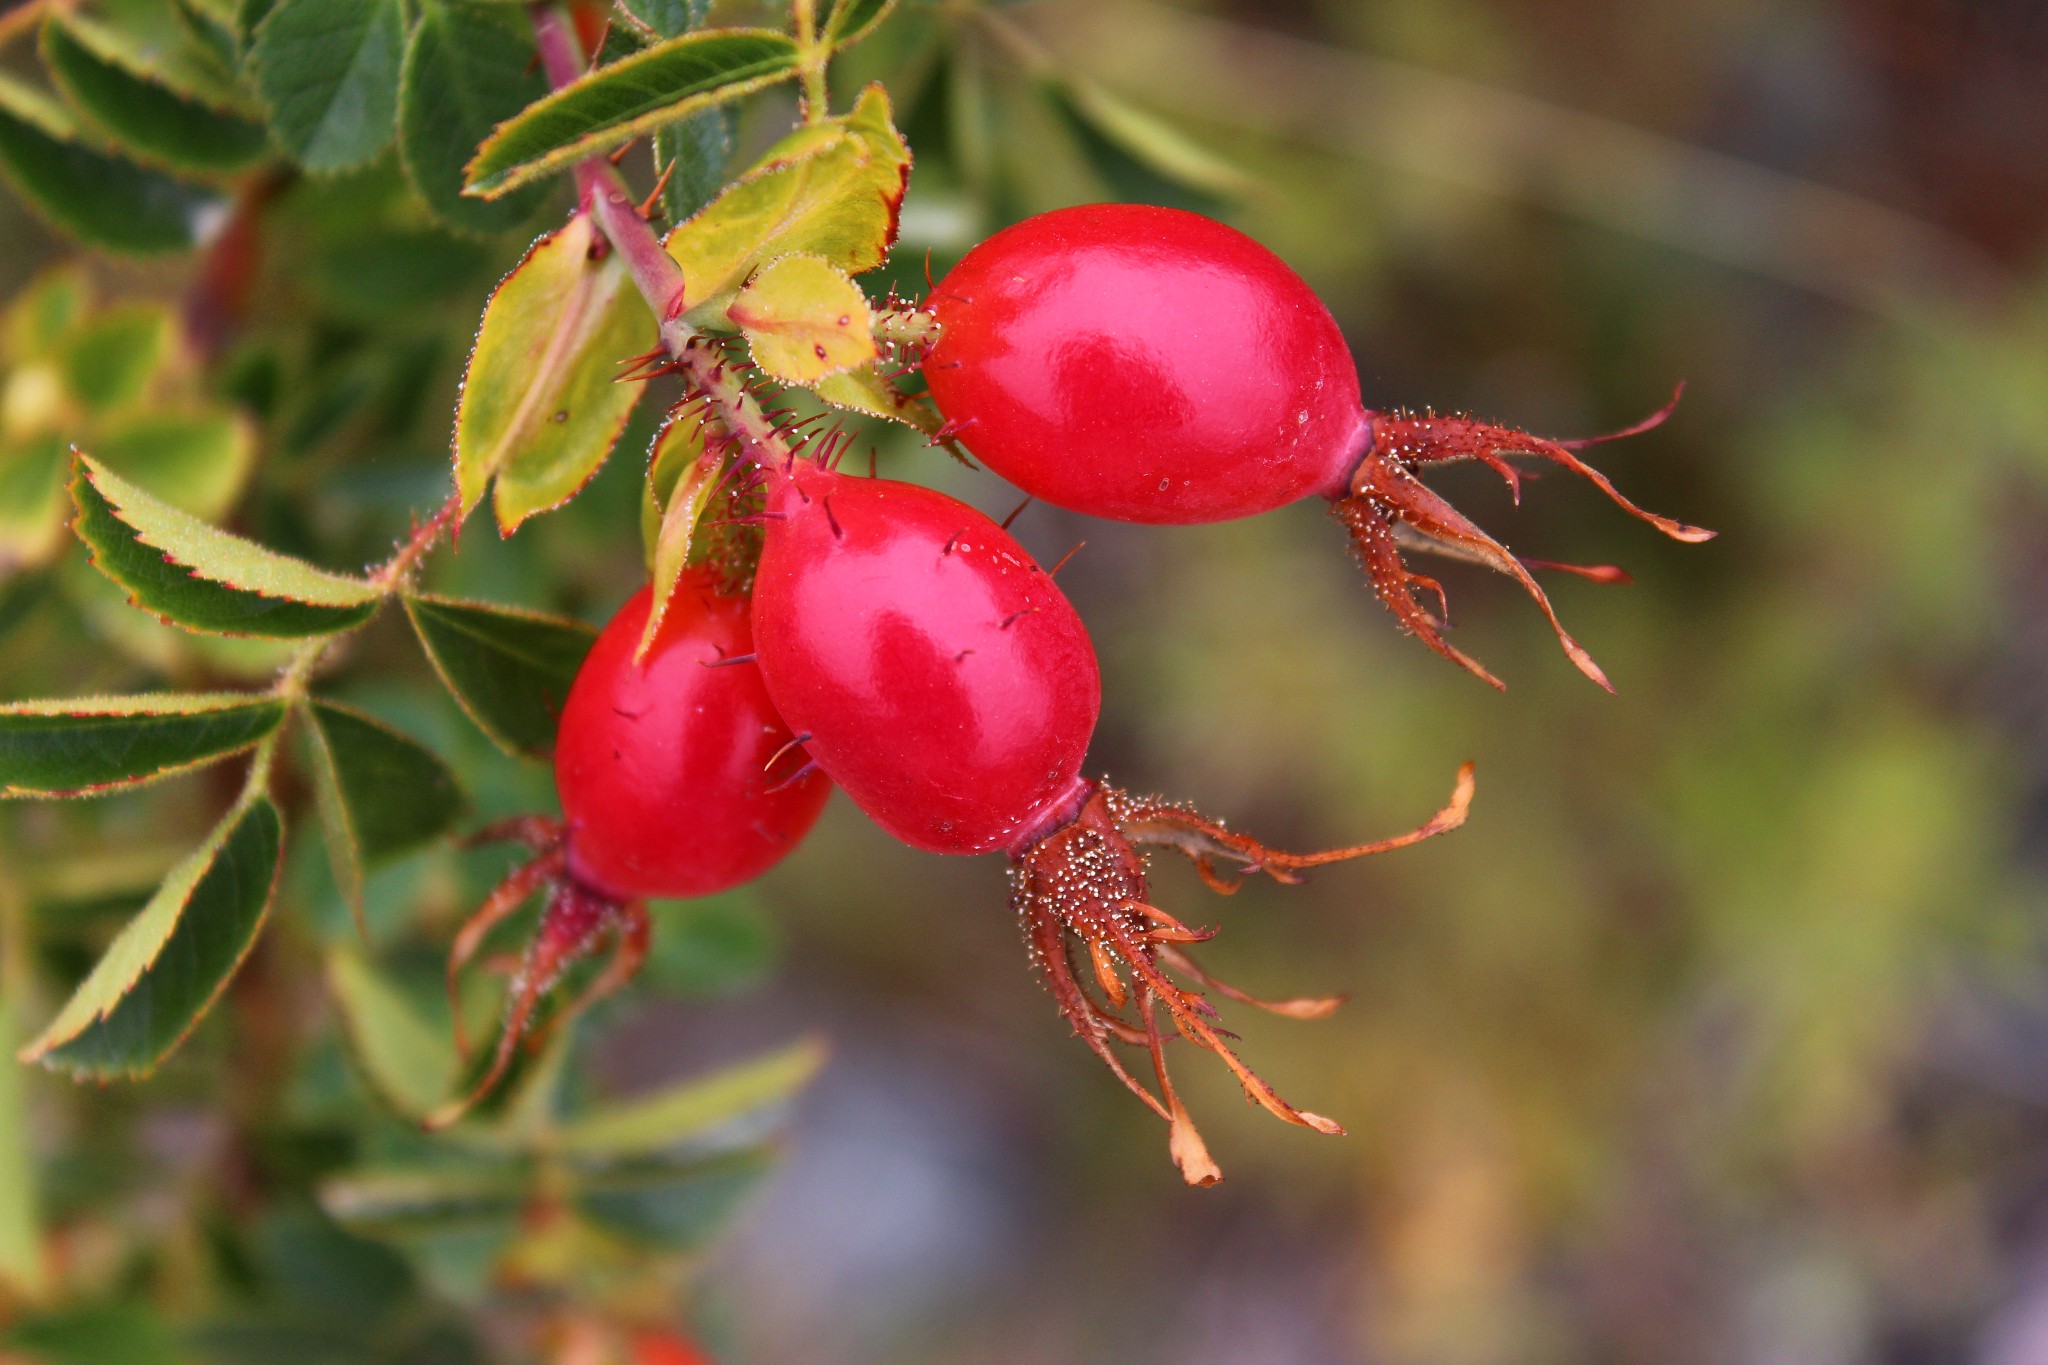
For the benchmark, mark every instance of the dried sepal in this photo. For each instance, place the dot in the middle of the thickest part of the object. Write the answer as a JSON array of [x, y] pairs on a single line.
[[1389, 510], [1083, 886]]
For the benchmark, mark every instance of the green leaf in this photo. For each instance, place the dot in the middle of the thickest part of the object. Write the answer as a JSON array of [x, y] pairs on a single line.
[[212, 29], [466, 71], [405, 1204], [697, 1108], [167, 967], [864, 390], [679, 463], [149, 42], [95, 1334], [693, 154], [673, 1205], [804, 319], [329, 71], [510, 669], [145, 116], [615, 104], [191, 575], [101, 197], [44, 312], [412, 1064], [32, 501], [81, 746], [21, 1244], [381, 793], [110, 358], [846, 22], [198, 460], [541, 405], [667, 18], [830, 189], [249, 16], [1142, 158]]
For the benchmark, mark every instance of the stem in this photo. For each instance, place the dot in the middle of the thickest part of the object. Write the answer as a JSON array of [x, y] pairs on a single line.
[[655, 273], [817, 93], [905, 326]]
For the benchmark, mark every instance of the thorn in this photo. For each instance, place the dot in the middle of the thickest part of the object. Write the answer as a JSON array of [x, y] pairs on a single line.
[[1054, 570], [1014, 617], [1016, 512], [837, 533], [620, 155], [796, 743], [728, 661], [646, 208]]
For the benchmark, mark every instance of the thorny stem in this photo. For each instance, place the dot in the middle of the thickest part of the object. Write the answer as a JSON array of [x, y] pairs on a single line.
[[908, 326], [703, 368]]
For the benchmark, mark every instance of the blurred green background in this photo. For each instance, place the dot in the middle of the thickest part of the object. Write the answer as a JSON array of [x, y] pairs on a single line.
[[1720, 1034]]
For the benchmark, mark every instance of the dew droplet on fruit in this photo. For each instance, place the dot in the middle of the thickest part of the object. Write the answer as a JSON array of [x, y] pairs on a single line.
[[1301, 418]]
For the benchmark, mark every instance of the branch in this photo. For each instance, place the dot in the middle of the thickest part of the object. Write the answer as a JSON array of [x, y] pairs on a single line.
[[700, 362]]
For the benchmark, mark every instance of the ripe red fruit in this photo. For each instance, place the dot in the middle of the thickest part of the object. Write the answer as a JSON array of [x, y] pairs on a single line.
[[936, 671], [1153, 365], [663, 769], [944, 681]]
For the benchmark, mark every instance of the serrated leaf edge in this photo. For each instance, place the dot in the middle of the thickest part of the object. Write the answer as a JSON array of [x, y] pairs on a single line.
[[496, 183]]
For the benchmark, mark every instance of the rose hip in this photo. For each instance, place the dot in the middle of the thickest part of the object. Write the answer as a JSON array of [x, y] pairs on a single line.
[[940, 677], [1148, 364]]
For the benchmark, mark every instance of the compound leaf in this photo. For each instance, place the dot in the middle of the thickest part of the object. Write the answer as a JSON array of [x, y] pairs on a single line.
[[466, 70], [156, 122], [615, 104], [192, 575], [830, 189], [329, 71], [380, 792], [81, 746], [97, 195], [167, 967], [541, 406], [509, 669]]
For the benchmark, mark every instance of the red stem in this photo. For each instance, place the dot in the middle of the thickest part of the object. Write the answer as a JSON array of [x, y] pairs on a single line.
[[656, 275]]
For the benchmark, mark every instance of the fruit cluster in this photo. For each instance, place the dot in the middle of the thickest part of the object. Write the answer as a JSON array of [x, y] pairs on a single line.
[[1136, 363]]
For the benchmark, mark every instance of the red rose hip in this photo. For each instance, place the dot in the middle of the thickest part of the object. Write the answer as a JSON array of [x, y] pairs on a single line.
[[942, 679], [663, 772], [1144, 364], [939, 674], [1152, 365]]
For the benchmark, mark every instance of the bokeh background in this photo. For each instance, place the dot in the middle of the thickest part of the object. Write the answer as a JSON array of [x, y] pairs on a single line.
[[1720, 1034]]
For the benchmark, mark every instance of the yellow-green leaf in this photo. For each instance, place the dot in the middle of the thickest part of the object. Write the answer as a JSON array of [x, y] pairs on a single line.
[[541, 406], [804, 318], [680, 463], [830, 189]]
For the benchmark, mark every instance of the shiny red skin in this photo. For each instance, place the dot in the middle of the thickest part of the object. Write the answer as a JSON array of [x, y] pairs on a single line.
[[661, 766], [945, 681], [1145, 364]]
